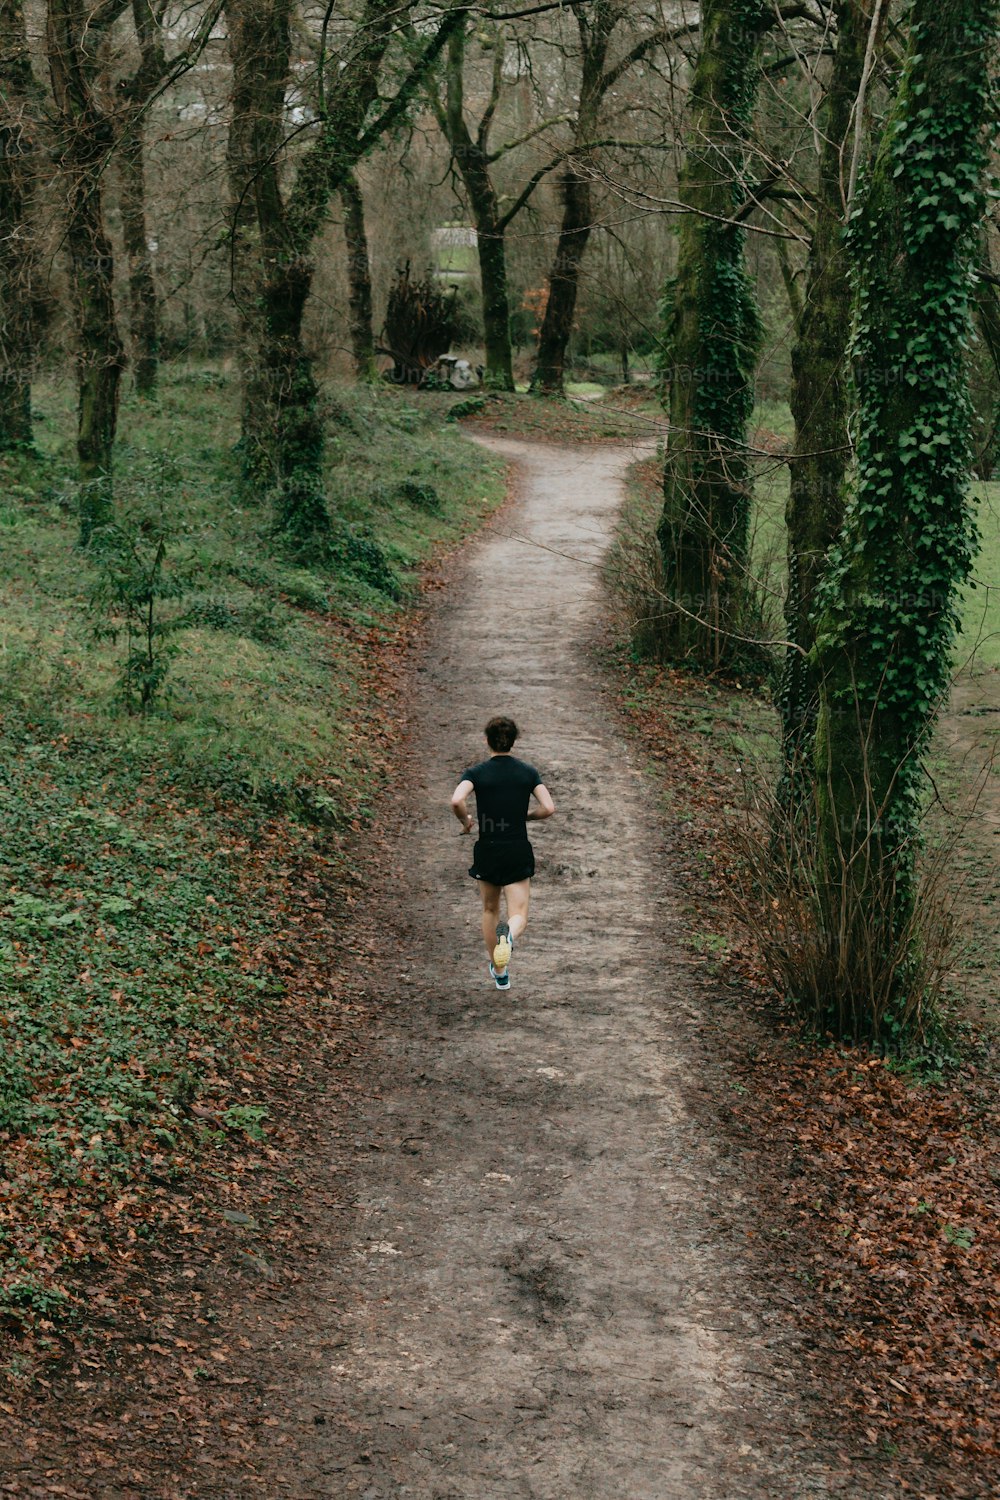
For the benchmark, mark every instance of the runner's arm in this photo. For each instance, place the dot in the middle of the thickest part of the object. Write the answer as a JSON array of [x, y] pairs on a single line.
[[459, 806], [546, 807]]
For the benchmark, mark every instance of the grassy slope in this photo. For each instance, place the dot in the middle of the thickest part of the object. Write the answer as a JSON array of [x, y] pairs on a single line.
[[140, 929]]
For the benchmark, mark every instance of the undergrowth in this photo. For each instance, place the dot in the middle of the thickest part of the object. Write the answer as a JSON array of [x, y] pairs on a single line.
[[139, 935], [816, 946]]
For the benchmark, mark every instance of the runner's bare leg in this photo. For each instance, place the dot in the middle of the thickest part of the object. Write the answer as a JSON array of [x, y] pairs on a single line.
[[491, 913], [517, 906]]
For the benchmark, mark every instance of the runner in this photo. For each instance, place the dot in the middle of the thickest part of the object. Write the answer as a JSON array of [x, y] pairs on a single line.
[[503, 860]]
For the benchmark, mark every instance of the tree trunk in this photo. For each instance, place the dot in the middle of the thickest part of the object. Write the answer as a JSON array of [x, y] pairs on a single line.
[[86, 137], [596, 30], [820, 403], [143, 306], [101, 356], [472, 159], [492, 250], [564, 283], [246, 145], [359, 280], [713, 335], [291, 397], [283, 439], [888, 620], [272, 238], [18, 155]]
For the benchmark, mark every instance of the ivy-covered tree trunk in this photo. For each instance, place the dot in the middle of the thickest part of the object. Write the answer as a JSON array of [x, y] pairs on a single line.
[[291, 394], [283, 439], [85, 137], [19, 151], [143, 306], [274, 226], [359, 280], [888, 618], [712, 333], [820, 404]]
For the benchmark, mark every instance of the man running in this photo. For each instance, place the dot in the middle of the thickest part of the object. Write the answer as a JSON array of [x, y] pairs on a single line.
[[503, 860]]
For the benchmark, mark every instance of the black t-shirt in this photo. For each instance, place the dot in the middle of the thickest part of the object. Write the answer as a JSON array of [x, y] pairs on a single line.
[[503, 786]]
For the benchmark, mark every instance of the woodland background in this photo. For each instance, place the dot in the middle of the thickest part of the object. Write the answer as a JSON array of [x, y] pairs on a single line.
[[760, 239]]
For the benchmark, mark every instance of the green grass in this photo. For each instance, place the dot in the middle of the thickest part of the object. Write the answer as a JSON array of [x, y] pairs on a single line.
[[565, 421], [608, 362], [979, 644], [266, 700], [139, 917]]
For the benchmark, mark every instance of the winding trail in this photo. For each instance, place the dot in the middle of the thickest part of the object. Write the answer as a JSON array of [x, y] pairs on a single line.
[[542, 1297]]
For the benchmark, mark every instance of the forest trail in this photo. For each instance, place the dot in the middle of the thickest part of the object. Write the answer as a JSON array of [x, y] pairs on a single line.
[[540, 1295]]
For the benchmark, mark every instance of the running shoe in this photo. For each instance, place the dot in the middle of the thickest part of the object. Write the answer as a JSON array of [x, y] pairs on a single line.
[[502, 981], [504, 947]]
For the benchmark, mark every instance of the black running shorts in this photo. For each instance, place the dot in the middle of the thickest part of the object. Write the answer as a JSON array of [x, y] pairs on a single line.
[[502, 861]]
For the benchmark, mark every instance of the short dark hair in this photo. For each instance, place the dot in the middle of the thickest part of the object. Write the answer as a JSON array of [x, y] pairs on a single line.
[[501, 734]]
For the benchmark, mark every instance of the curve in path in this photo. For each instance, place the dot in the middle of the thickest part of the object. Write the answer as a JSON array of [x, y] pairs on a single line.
[[539, 1306]]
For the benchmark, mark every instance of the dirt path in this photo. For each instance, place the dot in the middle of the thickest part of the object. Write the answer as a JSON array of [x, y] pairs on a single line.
[[540, 1297]]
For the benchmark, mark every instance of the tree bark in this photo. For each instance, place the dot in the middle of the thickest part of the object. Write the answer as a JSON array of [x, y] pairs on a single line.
[[492, 252], [472, 158], [820, 404], [359, 280], [564, 283], [101, 357], [577, 222], [143, 304], [253, 138], [283, 438], [85, 137], [888, 618], [713, 334], [273, 234], [19, 150]]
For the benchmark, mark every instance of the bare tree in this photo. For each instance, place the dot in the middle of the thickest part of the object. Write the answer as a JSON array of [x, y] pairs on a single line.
[[87, 130], [134, 93], [597, 24], [19, 154], [475, 159]]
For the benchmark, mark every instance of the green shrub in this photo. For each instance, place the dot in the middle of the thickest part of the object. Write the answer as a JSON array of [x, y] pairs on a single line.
[[356, 551], [131, 587]]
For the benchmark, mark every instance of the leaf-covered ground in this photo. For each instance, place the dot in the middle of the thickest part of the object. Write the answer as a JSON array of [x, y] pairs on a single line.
[[619, 416], [876, 1187], [145, 912]]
